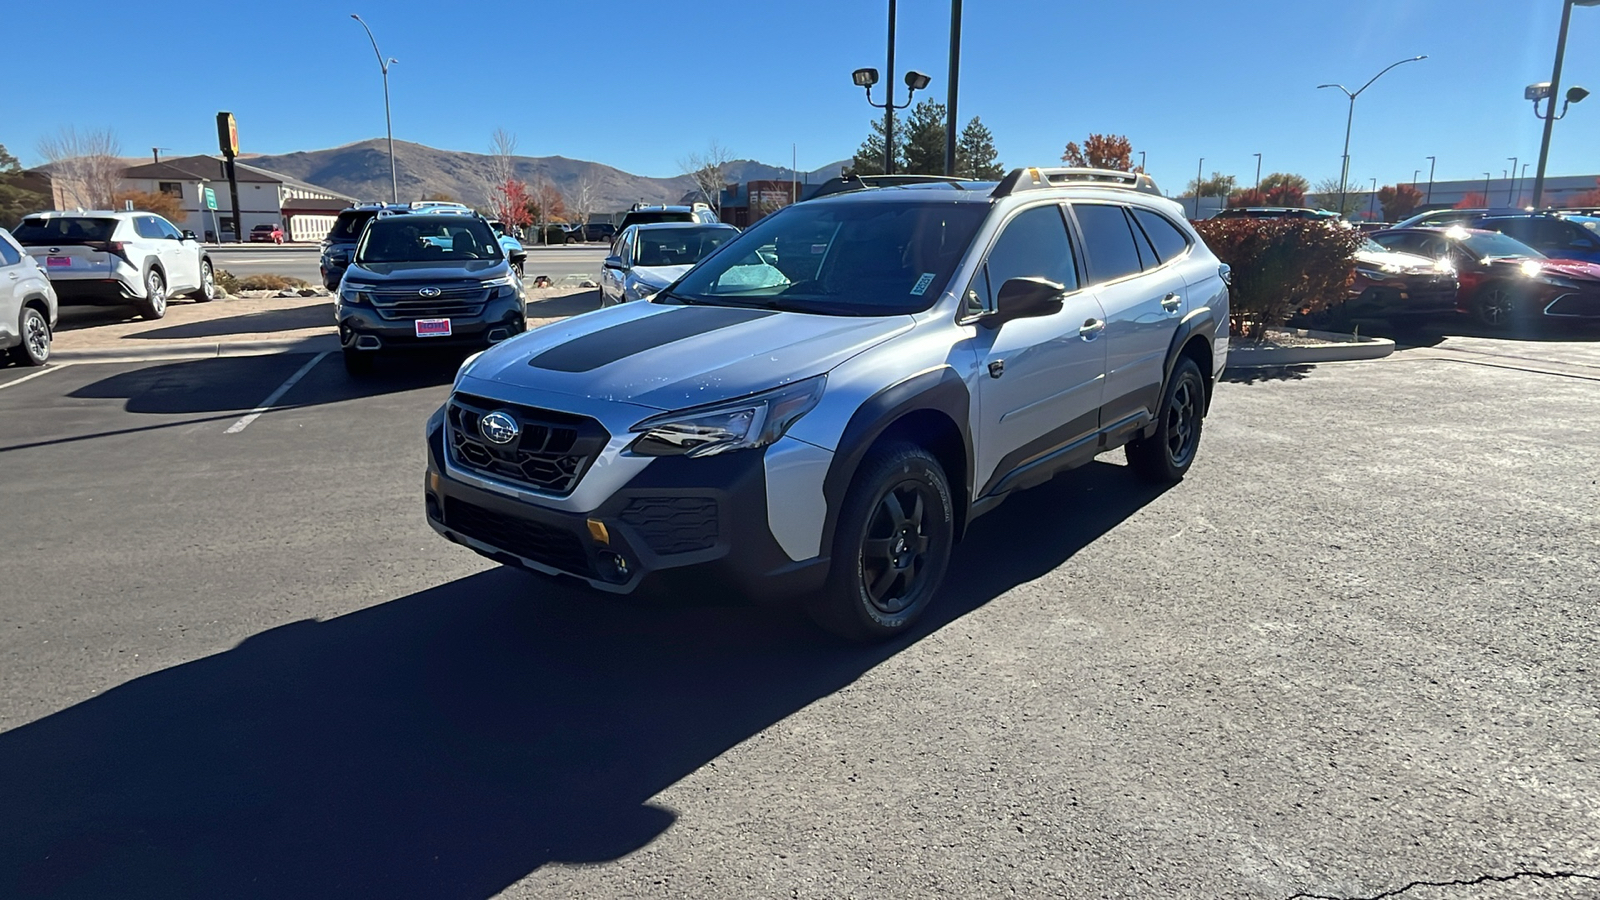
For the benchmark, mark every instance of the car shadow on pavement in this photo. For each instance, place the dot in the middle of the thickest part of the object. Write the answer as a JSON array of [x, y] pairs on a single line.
[[448, 743], [1262, 374], [271, 321], [242, 382], [73, 318], [563, 307]]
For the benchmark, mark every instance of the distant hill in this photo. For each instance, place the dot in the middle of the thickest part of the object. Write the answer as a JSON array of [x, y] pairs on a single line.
[[362, 170]]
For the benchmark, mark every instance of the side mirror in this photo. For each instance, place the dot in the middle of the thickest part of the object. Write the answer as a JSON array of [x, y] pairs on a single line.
[[1026, 298], [613, 262], [188, 235]]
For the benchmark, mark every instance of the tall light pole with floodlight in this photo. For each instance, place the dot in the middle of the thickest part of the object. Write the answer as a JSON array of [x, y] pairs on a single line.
[[388, 122], [1432, 161], [1258, 171], [1537, 92], [866, 78], [1344, 173], [1511, 192]]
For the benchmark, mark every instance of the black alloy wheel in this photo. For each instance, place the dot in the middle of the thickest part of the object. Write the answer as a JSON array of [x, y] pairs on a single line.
[[1165, 456], [1496, 305]]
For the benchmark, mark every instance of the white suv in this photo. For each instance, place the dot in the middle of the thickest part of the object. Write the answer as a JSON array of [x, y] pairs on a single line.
[[112, 258], [27, 305], [820, 407]]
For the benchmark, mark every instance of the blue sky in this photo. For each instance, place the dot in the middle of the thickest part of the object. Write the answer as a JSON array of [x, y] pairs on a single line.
[[638, 85]]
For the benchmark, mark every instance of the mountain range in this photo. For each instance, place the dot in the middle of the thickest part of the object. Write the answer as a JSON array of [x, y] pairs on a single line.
[[361, 170]]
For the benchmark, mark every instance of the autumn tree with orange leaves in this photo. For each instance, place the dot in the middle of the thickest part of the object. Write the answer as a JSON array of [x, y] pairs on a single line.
[[1101, 151]]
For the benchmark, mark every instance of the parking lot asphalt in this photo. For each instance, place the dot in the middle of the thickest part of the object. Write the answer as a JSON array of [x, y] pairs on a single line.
[[301, 261], [1354, 651]]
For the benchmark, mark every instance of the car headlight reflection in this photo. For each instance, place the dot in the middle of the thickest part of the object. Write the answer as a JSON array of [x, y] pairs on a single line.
[[747, 423]]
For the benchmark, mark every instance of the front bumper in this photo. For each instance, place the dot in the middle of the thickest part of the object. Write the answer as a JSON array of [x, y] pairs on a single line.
[[361, 326], [1406, 295], [679, 528]]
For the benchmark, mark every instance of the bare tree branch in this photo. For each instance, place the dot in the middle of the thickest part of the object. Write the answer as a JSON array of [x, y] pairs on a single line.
[[84, 165], [708, 171]]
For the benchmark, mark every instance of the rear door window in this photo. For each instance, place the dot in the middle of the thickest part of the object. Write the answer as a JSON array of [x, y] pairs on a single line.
[[1108, 239], [168, 231], [1170, 243]]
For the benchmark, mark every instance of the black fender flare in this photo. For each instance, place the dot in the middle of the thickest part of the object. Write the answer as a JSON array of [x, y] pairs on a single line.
[[939, 390], [1202, 321]]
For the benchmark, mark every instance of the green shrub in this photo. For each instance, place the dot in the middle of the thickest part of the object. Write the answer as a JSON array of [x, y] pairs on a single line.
[[553, 234], [268, 282], [1281, 267]]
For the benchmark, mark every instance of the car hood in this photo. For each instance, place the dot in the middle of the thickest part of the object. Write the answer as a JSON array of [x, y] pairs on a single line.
[[660, 276], [1572, 268], [1411, 262], [671, 357], [426, 271]]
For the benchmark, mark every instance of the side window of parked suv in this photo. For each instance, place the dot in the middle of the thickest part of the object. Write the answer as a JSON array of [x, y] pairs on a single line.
[[1169, 242], [146, 227], [1108, 237], [1034, 244]]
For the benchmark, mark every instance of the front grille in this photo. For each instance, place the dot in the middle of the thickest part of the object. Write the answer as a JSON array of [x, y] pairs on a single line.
[[550, 455], [673, 524], [405, 303], [553, 547]]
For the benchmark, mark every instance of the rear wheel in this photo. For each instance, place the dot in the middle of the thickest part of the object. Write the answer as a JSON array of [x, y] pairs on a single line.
[[154, 304], [1165, 456], [35, 347], [208, 283], [891, 546], [1495, 305]]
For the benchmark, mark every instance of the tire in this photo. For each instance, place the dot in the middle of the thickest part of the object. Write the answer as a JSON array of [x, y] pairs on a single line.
[[154, 303], [35, 330], [1165, 457], [208, 283], [891, 546], [1495, 305], [358, 362]]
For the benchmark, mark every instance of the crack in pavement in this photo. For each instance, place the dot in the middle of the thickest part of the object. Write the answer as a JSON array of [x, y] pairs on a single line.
[[1481, 879]]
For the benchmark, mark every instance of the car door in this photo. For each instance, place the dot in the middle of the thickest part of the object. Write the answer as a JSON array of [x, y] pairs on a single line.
[[1142, 310], [1040, 379], [185, 267], [152, 247]]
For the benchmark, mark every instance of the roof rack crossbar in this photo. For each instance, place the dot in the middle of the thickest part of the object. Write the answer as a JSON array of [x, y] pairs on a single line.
[[1036, 178]]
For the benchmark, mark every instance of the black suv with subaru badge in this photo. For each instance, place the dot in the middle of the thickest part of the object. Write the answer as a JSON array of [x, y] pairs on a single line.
[[427, 280], [821, 407]]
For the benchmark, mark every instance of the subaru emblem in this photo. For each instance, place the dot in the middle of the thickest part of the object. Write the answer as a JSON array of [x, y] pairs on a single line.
[[499, 428], [430, 292]]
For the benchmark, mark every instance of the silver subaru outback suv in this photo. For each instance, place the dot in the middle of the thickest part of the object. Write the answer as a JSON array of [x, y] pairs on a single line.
[[821, 407]]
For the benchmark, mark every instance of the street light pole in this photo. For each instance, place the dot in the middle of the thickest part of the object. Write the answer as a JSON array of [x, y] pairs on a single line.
[[1258, 171], [388, 122], [1344, 174], [1432, 161], [888, 109], [1555, 89], [1486, 177], [1511, 192], [1372, 203], [1199, 176], [955, 77], [1524, 179], [1141, 161]]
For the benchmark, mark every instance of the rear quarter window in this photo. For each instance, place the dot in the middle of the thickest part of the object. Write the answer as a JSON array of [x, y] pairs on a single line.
[[1170, 243]]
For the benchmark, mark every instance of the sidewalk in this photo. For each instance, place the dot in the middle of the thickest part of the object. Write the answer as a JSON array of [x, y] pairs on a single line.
[[234, 326]]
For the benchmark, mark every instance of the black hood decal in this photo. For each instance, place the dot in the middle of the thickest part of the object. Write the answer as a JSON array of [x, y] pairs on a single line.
[[621, 341]]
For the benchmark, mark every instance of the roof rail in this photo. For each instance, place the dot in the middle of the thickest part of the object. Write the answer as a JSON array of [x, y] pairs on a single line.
[[1038, 178], [845, 183]]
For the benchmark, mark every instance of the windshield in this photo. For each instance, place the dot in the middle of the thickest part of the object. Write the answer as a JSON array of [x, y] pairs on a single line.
[[63, 230], [1490, 244], [679, 246], [851, 258], [428, 238]]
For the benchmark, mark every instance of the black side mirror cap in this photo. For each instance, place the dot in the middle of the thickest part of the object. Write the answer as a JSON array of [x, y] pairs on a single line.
[[1026, 298], [189, 236]]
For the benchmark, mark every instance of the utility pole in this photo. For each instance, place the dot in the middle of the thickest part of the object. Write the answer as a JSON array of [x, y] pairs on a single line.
[[888, 109], [955, 79]]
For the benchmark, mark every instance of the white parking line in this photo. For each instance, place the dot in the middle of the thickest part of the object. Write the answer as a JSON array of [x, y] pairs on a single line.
[[53, 367], [276, 395]]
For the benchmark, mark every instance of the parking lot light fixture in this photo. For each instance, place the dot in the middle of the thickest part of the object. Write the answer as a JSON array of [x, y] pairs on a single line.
[[388, 122], [1344, 173], [1554, 87], [866, 78], [1432, 161]]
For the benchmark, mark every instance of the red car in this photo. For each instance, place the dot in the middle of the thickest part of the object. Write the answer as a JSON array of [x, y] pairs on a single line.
[[1504, 281], [264, 233]]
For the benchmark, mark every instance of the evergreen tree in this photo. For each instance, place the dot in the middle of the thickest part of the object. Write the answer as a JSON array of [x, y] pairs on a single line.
[[869, 158], [923, 143], [16, 201], [975, 153]]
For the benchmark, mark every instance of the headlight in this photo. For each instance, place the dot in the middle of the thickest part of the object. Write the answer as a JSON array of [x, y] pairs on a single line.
[[1531, 268], [754, 421], [1373, 274], [502, 287], [355, 292]]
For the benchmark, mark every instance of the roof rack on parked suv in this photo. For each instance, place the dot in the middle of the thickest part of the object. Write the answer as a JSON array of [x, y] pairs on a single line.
[[1037, 178], [846, 183]]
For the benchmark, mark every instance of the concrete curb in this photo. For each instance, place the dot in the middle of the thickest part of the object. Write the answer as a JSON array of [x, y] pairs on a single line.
[[1342, 348], [200, 350]]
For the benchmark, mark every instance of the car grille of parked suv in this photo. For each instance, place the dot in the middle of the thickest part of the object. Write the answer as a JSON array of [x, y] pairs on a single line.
[[550, 454], [409, 302], [554, 547]]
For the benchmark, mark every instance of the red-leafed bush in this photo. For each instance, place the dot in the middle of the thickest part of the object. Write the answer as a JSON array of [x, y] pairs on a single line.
[[1281, 267], [1590, 197], [1398, 201], [1473, 201]]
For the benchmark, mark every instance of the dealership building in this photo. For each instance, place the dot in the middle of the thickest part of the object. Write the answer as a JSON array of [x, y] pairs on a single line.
[[305, 211]]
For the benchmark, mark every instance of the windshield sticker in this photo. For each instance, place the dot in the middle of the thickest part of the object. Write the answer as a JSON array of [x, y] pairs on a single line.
[[922, 284]]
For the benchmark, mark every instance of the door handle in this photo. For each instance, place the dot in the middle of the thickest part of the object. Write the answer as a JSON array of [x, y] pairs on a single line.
[[1171, 302], [1091, 329]]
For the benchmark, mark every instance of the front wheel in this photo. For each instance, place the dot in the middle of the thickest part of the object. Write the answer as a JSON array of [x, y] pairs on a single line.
[[154, 304], [1495, 306], [35, 331], [208, 283], [1165, 456], [891, 546]]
